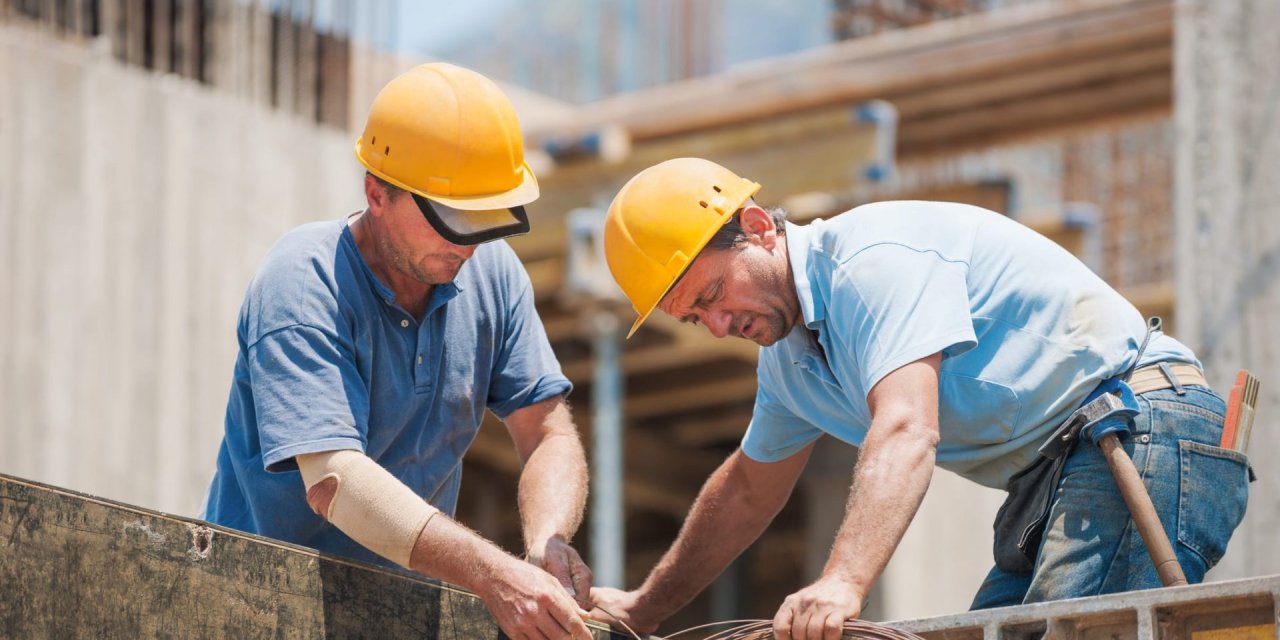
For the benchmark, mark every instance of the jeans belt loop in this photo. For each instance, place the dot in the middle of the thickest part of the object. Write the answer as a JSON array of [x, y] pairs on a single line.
[[1173, 380]]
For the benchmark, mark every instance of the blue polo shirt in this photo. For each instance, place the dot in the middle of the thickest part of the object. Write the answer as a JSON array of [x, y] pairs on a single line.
[[1025, 329], [329, 361]]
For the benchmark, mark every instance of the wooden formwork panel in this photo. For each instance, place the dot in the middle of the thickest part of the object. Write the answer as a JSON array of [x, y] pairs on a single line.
[[75, 566]]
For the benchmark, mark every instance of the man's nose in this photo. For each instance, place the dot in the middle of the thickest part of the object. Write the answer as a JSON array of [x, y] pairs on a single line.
[[718, 323]]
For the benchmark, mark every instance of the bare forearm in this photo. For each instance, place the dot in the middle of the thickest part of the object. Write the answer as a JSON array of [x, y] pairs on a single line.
[[553, 489], [725, 519], [451, 552], [890, 480]]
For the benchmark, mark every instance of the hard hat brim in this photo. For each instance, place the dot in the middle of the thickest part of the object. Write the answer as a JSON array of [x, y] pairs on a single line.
[[524, 193], [468, 227]]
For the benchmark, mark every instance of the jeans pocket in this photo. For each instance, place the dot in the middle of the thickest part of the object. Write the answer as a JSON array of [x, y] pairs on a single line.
[[1212, 500]]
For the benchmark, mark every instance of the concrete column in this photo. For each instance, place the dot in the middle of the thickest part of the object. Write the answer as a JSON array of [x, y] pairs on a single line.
[[1227, 216]]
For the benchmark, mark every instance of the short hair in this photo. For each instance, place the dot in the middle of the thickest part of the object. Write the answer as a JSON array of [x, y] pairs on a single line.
[[391, 190], [731, 235]]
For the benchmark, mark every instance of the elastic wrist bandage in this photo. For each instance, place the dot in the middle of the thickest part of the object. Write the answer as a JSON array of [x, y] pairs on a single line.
[[370, 505]]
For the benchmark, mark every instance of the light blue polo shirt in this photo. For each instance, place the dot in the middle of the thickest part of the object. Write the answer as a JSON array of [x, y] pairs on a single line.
[[1025, 329], [329, 361]]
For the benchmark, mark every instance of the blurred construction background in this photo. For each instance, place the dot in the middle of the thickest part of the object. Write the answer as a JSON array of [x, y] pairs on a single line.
[[152, 150]]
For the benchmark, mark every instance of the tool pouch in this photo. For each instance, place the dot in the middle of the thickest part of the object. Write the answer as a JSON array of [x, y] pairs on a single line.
[[1020, 523]]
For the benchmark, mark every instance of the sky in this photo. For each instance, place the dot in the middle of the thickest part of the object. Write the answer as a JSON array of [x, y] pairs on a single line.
[[429, 26], [455, 30]]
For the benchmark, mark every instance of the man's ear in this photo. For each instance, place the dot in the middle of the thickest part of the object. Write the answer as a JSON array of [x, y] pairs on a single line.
[[758, 225], [375, 195]]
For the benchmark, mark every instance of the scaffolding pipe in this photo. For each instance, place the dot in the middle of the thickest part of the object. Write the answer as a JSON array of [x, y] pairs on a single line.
[[607, 527]]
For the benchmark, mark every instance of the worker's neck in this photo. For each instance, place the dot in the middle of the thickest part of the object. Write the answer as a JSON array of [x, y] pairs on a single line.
[[410, 293], [793, 298]]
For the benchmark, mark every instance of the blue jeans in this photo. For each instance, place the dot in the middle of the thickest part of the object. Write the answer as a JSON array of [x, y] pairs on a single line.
[[1091, 547]]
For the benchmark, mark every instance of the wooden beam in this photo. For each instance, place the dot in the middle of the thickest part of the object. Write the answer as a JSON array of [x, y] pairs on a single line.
[[945, 53], [1155, 57], [663, 357], [669, 402], [984, 126], [729, 426]]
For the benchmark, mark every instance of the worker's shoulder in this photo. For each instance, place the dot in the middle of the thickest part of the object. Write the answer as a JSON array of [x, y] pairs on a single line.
[[310, 239], [309, 257], [944, 228], [921, 215]]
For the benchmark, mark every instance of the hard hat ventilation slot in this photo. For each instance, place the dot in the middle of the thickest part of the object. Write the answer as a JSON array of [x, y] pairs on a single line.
[[386, 151], [702, 203], [716, 188], [374, 140]]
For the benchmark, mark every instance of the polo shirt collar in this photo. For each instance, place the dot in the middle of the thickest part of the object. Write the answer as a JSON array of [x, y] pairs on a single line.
[[440, 294], [799, 239]]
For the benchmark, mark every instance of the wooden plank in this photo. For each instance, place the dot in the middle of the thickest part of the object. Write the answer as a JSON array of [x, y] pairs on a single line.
[[691, 398], [947, 53], [1156, 57], [74, 566], [998, 123]]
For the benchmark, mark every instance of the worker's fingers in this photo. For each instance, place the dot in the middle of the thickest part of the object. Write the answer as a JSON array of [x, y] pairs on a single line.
[[782, 622], [566, 620], [812, 624], [581, 577], [833, 626]]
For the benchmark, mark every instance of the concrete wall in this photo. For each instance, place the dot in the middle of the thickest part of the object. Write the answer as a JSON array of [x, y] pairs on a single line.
[[134, 208], [1227, 203]]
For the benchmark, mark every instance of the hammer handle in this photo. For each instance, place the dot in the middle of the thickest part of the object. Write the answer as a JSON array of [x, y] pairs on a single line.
[[1144, 513]]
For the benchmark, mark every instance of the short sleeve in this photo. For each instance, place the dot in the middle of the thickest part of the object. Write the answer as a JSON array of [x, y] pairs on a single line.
[[307, 395], [525, 369], [775, 432], [894, 305]]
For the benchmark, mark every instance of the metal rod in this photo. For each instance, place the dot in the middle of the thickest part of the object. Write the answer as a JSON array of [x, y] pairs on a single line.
[[607, 527]]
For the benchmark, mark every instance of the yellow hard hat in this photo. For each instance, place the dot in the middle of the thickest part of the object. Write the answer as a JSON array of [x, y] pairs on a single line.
[[661, 220], [450, 137]]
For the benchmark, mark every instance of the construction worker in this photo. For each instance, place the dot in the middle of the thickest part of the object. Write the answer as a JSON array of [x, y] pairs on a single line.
[[922, 333], [370, 348]]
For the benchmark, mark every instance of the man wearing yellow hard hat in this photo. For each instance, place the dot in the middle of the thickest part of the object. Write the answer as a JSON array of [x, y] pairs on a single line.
[[371, 346], [923, 333]]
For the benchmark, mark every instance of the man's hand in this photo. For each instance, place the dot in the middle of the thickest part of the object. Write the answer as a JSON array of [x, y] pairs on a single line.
[[818, 611], [528, 603], [557, 557], [614, 605]]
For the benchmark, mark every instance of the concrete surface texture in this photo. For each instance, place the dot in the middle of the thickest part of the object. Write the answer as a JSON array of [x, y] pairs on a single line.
[[134, 208], [1227, 212]]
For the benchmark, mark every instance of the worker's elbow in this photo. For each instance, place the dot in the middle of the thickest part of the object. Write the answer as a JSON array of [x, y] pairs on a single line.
[[918, 432]]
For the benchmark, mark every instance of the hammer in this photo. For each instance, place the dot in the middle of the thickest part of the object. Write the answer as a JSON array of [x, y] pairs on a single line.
[[1143, 512]]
